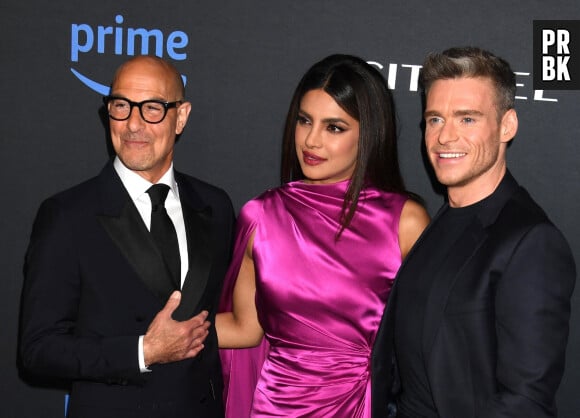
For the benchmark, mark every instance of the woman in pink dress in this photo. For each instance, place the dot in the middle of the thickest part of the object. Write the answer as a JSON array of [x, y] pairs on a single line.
[[315, 258]]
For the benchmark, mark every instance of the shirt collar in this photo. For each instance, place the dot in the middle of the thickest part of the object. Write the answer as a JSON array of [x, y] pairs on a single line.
[[137, 186]]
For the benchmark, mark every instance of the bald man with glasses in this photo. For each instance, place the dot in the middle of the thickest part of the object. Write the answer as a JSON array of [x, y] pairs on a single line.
[[123, 272]]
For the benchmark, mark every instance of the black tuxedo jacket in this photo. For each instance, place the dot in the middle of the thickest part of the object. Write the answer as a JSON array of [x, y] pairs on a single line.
[[496, 321], [94, 281]]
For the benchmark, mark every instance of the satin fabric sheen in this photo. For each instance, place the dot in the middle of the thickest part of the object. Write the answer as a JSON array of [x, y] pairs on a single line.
[[319, 301]]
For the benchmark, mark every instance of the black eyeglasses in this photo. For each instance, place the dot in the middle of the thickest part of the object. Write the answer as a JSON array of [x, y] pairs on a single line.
[[152, 111]]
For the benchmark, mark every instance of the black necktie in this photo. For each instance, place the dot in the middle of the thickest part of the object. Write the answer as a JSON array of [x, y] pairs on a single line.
[[163, 231]]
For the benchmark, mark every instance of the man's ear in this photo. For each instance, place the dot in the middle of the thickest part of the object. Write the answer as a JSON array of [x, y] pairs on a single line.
[[182, 116], [508, 125]]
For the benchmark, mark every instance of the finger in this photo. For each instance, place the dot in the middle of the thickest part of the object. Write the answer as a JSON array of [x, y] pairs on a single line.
[[197, 332], [194, 351], [199, 319], [201, 330], [200, 336], [172, 303]]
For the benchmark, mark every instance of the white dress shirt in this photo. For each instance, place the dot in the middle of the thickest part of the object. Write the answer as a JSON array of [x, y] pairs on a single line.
[[137, 188]]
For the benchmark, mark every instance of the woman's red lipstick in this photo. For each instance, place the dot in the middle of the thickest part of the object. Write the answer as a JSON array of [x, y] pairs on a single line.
[[311, 159]]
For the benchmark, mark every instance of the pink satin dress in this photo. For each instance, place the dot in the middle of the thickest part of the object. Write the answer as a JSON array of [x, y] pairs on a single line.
[[319, 301]]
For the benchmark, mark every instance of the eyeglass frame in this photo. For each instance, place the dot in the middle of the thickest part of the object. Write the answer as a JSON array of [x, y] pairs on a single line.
[[139, 105]]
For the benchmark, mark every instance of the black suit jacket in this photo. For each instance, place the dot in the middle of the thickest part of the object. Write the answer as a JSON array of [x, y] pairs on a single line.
[[496, 320], [92, 286]]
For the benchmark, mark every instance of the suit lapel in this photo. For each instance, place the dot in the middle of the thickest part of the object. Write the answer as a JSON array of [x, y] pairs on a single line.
[[459, 255], [126, 229], [197, 217]]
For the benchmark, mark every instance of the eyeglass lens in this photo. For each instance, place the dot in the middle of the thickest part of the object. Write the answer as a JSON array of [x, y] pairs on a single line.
[[150, 110]]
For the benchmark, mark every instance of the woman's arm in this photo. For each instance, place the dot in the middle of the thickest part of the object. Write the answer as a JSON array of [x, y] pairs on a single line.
[[241, 328], [414, 219]]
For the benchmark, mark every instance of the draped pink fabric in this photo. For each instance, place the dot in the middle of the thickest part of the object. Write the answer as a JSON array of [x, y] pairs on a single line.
[[319, 300]]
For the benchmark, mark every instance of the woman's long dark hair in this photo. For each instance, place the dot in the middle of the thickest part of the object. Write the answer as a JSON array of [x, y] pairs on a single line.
[[361, 91]]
